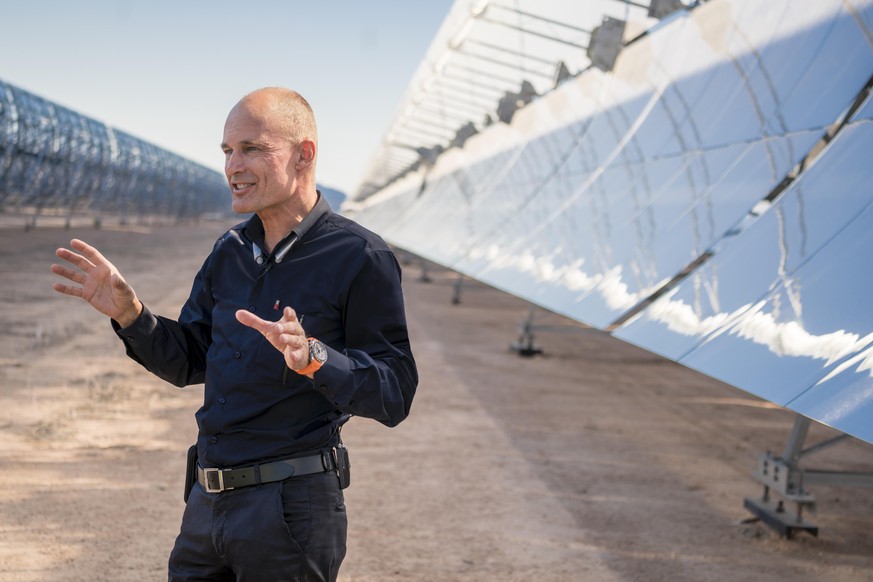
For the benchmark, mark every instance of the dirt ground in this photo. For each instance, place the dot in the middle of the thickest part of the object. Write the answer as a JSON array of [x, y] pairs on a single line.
[[596, 461]]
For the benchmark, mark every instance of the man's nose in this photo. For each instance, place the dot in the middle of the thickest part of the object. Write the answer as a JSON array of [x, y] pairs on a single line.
[[232, 163]]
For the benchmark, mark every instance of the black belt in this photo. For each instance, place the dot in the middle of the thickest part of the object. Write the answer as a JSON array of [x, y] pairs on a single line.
[[218, 480]]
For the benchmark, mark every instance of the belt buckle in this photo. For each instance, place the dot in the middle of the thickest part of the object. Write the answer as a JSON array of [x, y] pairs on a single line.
[[220, 479]]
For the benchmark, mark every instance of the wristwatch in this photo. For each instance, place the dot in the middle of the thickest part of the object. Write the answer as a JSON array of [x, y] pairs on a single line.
[[317, 357]]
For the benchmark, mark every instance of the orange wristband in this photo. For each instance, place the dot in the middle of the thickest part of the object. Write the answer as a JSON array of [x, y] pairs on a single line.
[[317, 357]]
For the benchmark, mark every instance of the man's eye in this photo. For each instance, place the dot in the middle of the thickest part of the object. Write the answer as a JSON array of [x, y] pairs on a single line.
[[250, 149]]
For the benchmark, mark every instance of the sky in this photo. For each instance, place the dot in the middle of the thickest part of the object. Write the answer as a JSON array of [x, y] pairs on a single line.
[[169, 71]]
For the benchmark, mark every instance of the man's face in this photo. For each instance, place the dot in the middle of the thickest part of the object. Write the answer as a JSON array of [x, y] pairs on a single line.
[[259, 161]]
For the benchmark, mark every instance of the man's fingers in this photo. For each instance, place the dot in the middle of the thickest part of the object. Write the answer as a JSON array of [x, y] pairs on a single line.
[[67, 289], [286, 335], [253, 321], [90, 252], [74, 276], [292, 340], [75, 259], [289, 314], [280, 329]]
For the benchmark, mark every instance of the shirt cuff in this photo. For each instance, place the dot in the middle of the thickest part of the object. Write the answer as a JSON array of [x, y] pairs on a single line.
[[332, 376], [142, 327]]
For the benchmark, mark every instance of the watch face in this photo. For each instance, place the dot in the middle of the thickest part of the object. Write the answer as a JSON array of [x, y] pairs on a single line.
[[317, 351]]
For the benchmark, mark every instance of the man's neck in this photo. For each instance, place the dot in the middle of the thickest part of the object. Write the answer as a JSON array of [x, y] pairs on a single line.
[[279, 222]]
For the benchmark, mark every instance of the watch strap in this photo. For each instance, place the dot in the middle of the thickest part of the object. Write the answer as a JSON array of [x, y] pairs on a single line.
[[314, 364]]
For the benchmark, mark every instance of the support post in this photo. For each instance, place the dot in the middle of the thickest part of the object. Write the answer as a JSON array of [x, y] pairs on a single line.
[[425, 276], [783, 476], [525, 345], [456, 293], [786, 478]]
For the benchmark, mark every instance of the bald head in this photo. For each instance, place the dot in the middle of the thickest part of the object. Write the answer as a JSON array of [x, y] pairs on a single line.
[[285, 110]]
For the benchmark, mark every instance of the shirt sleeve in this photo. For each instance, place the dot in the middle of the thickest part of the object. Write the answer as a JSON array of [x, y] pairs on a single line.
[[174, 351], [375, 374]]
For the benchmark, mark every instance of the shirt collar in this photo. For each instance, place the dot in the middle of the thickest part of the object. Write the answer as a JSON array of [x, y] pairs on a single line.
[[254, 228]]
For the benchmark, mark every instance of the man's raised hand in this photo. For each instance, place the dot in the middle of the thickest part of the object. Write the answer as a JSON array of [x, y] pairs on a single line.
[[286, 335], [98, 282]]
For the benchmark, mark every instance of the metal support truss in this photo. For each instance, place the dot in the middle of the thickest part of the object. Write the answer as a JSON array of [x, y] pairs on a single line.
[[574, 29], [785, 482], [59, 162]]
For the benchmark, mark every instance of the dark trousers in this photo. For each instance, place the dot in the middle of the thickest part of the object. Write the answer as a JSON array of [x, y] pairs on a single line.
[[289, 530]]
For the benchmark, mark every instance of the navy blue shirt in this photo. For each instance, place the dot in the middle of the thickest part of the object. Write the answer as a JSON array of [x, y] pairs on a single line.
[[344, 283]]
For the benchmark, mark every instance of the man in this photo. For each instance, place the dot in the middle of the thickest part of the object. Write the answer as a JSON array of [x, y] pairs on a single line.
[[294, 322]]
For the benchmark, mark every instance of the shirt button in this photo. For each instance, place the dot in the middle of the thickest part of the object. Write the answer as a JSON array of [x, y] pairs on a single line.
[[237, 355], [222, 400], [213, 440], [252, 309]]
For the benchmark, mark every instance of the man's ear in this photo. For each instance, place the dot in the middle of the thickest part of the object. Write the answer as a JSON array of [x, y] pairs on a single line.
[[307, 153]]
